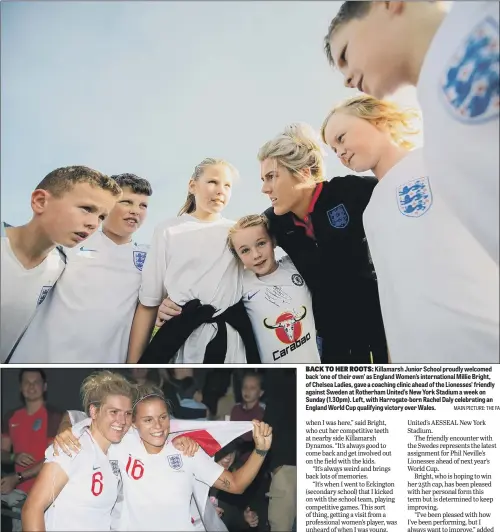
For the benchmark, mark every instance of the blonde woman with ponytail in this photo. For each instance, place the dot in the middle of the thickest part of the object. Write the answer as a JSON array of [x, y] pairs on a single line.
[[190, 265], [318, 223], [438, 287]]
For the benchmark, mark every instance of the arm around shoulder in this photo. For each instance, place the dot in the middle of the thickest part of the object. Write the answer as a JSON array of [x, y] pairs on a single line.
[[65, 423]]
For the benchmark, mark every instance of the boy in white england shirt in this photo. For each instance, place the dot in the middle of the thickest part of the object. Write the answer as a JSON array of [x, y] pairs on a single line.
[[452, 58], [88, 316], [68, 206], [275, 296], [438, 287]]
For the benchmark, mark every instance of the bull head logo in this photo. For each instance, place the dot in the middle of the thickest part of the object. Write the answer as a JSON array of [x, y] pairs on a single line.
[[288, 327]]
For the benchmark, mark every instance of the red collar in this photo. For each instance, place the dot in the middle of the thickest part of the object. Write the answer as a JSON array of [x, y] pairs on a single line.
[[310, 210], [306, 222], [314, 199]]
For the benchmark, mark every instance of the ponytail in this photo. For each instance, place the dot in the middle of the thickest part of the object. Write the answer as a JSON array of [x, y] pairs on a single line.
[[189, 205], [296, 148]]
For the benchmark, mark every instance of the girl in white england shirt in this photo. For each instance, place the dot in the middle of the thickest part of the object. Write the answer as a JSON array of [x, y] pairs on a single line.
[[439, 289], [190, 262], [275, 296], [79, 492], [155, 475]]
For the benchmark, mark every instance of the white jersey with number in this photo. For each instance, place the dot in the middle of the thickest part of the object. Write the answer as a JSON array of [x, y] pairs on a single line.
[[439, 289], [280, 308], [21, 291], [458, 91], [88, 317], [164, 480], [189, 259], [87, 500]]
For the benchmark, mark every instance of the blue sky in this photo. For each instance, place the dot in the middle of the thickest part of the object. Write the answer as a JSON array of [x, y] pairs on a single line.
[[152, 88]]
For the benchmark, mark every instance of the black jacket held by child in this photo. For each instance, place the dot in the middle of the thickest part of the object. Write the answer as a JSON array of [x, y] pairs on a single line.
[[173, 334]]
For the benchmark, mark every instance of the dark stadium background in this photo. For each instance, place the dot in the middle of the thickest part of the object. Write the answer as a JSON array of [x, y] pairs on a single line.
[[63, 386]]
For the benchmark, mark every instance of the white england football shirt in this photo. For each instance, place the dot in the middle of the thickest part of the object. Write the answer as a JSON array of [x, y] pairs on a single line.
[[86, 501], [189, 259], [439, 289], [164, 481], [458, 91], [89, 315], [21, 291], [280, 308]]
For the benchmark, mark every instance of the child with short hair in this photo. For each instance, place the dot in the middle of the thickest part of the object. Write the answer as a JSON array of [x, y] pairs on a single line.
[[68, 206], [190, 263], [250, 407], [87, 318], [275, 296], [188, 395], [452, 58], [438, 287]]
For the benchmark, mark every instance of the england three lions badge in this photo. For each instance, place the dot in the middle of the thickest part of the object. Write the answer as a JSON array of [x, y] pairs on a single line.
[[338, 217], [414, 197], [174, 461], [139, 258], [470, 83], [115, 467]]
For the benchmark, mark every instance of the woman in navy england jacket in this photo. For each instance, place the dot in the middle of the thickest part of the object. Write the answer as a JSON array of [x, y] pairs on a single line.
[[319, 224]]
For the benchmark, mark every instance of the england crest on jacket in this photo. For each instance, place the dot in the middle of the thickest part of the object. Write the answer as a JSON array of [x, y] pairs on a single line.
[[338, 217], [470, 81], [414, 197]]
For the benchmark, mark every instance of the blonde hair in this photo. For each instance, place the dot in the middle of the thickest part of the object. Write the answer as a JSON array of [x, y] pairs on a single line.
[[149, 391], [190, 203], [397, 120], [98, 386], [296, 148], [251, 220]]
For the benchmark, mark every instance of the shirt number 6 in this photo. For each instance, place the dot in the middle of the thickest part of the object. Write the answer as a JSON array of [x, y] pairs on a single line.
[[97, 485]]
